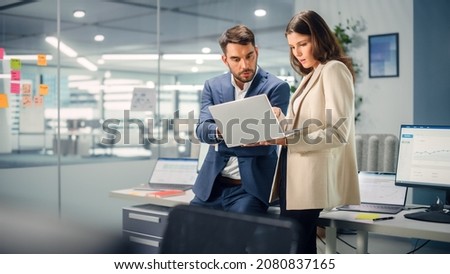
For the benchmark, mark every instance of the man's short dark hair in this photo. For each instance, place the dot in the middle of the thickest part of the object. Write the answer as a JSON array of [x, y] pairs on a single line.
[[239, 34]]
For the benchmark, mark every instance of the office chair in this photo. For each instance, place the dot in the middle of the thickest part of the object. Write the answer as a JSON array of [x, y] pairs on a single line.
[[198, 230]]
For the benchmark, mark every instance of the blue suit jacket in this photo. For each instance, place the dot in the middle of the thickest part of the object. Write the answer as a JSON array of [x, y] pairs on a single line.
[[256, 164]]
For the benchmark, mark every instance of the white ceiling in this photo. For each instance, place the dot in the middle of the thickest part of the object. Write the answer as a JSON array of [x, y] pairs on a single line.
[[130, 26]]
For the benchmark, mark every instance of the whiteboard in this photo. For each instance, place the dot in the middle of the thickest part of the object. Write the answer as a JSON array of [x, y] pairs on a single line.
[[31, 119]]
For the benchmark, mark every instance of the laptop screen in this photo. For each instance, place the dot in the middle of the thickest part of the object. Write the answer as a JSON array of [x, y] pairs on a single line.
[[380, 188], [174, 171]]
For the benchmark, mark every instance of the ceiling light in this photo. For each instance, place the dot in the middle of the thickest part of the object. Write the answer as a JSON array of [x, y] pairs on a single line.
[[130, 56], [199, 61], [75, 77], [182, 87], [260, 12], [79, 14], [191, 56], [99, 38], [206, 50], [87, 64], [123, 81], [194, 69], [63, 47]]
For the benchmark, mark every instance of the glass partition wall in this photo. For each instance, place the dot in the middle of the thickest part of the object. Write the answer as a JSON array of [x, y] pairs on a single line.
[[112, 85], [159, 51]]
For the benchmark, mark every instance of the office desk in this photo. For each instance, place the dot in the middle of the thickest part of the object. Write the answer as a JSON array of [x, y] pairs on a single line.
[[399, 226], [143, 225], [331, 220], [141, 196]]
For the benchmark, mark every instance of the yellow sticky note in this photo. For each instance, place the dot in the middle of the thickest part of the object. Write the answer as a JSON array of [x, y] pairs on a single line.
[[15, 64], [3, 100], [367, 216], [42, 60], [43, 89]]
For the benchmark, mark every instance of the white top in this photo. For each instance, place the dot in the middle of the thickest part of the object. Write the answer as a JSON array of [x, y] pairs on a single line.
[[231, 170]]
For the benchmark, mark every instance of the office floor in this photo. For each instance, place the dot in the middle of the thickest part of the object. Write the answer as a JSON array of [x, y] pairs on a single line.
[[380, 244]]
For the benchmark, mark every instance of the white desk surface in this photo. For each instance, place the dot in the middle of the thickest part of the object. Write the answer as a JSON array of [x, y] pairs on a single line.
[[399, 226], [142, 196], [332, 220]]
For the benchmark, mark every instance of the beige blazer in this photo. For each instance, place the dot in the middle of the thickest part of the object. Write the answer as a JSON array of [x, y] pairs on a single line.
[[321, 159]]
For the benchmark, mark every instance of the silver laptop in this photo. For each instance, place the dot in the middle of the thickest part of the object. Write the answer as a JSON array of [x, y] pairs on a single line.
[[379, 194], [247, 121], [173, 173]]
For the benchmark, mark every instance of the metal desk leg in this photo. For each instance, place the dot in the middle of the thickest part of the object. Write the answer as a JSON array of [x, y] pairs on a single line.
[[362, 238], [331, 236]]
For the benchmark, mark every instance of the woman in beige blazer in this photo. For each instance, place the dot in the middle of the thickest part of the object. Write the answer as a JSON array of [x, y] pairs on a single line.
[[317, 168]]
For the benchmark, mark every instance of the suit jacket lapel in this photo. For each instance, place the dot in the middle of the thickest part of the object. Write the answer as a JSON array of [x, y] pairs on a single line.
[[227, 91], [303, 90], [258, 81]]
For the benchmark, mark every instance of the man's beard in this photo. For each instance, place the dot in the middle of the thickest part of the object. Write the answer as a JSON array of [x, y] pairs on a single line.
[[245, 79]]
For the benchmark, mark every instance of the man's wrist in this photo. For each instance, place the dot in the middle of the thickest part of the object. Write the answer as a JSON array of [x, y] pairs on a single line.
[[218, 135]]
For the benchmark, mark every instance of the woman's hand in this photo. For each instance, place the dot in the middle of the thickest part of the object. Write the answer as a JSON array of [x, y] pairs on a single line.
[[280, 141], [277, 111]]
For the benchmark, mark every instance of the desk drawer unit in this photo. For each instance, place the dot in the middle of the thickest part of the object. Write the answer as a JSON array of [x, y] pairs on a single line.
[[144, 225]]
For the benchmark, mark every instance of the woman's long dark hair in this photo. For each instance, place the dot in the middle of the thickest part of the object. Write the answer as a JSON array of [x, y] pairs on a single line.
[[324, 42]]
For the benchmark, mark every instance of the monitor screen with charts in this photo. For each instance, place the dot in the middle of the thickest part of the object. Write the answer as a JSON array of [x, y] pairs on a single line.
[[379, 194], [174, 173], [424, 162], [247, 121]]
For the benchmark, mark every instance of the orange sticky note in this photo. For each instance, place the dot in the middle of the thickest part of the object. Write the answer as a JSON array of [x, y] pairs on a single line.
[[43, 89], [42, 60], [3, 100], [15, 88]]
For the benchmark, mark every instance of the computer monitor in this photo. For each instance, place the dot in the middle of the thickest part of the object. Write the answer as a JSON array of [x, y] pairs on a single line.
[[424, 161]]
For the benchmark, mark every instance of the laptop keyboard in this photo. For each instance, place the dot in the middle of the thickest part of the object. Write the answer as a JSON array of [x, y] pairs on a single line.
[[376, 208]]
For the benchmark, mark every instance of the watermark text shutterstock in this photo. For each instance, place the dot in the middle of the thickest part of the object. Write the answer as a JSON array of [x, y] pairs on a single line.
[[183, 129]]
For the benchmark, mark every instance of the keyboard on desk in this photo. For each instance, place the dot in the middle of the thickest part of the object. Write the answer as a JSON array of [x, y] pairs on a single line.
[[375, 208]]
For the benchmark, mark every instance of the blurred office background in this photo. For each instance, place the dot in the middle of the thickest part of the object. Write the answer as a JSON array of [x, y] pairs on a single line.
[[52, 158]]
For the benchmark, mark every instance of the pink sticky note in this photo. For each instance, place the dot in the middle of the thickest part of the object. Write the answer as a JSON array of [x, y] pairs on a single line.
[[15, 75], [27, 101], [15, 88], [38, 100], [2, 53], [26, 89]]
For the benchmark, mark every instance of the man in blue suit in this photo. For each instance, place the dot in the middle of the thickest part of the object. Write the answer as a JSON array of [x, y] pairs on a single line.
[[237, 179]]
